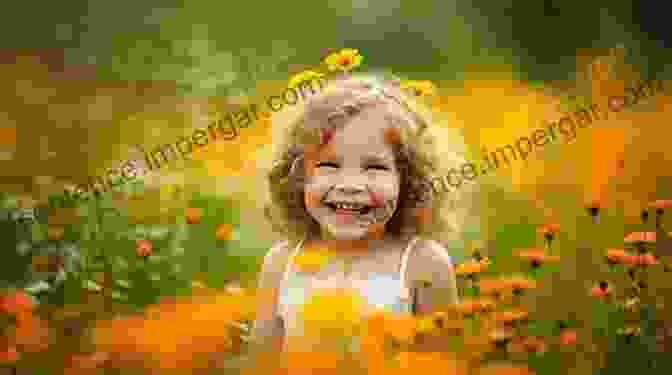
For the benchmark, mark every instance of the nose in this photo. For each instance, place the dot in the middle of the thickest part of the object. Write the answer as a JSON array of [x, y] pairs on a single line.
[[350, 188]]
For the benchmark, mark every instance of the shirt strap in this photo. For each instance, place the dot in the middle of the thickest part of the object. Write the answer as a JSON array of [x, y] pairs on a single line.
[[405, 290], [290, 261]]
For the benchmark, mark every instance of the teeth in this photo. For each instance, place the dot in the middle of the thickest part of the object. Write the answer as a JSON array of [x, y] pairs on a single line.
[[349, 206]]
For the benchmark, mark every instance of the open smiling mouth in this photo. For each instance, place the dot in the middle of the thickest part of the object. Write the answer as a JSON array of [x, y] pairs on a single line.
[[349, 208]]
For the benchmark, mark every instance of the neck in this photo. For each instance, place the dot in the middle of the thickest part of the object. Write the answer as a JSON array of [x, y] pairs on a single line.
[[352, 247]]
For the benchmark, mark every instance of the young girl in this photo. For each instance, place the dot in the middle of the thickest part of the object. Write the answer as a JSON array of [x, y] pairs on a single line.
[[354, 178]]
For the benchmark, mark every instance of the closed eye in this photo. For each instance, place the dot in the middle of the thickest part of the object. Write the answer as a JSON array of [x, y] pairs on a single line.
[[327, 164], [379, 167]]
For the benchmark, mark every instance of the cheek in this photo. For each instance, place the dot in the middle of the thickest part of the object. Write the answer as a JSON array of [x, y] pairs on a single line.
[[377, 199], [316, 188], [382, 192]]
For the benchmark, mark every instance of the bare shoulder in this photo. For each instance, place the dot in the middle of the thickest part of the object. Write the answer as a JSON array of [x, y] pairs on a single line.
[[432, 252], [430, 261]]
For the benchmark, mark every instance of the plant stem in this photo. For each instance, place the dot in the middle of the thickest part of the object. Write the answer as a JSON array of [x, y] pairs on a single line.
[[107, 301]]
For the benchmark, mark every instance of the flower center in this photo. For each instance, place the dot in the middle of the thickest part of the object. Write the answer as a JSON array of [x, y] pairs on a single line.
[[344, 60]]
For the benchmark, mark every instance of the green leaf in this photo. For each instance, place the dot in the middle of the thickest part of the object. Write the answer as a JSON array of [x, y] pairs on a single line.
[[543, 328], [617, 268], [471, 291], [37, 232]]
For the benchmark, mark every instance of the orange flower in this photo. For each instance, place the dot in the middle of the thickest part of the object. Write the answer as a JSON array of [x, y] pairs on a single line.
[[501, 334], [428, 362], [32, 334], [471, 306], [640, 237], [506, 370], [537, 257], [527, 344], [193, 215], [602, 289], [468, 306], [519, 283], [322, 362], [86, 361], [642, 260], [16, 303], [568, 337], [549, 228], [493, 286], [470, 268], [616, 256], [224, 232], [9, 355], [373, 339], [662, 204], [375, 322], [549, 231], [510, 316], [143, 248], [401, 327]]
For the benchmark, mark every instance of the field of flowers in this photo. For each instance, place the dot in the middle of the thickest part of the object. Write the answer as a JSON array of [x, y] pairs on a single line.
[[108, 286], [83, 281], [88, 290]]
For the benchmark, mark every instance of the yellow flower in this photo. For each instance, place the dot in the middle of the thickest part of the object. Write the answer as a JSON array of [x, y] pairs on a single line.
[[312, 259], [344, 60], [420, 88], [304, 77]]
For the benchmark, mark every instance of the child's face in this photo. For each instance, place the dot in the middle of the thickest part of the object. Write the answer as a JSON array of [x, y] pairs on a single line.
[[353, 182]]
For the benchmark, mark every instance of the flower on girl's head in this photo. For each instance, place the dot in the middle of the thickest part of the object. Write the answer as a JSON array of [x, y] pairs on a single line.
[[344, 60]]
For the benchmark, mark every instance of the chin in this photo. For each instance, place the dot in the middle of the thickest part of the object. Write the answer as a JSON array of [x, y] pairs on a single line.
[[348, 233]]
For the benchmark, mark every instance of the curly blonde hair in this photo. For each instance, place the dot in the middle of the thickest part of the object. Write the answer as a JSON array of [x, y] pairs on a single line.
[[418, 211]]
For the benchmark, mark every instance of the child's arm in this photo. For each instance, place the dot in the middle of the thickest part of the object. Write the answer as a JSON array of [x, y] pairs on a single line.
[[268, 332], [430, 272]]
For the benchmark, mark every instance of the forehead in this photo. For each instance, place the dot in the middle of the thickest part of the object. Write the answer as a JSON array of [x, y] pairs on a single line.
[[363, 134]]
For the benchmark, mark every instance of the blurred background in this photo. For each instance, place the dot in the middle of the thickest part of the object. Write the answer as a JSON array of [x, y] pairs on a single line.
[[86, 84]]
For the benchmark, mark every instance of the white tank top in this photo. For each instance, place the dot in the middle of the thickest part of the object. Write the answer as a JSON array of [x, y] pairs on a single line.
[[383, 290]]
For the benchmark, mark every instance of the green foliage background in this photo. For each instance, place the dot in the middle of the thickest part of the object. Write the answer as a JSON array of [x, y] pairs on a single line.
[[225, 48]]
